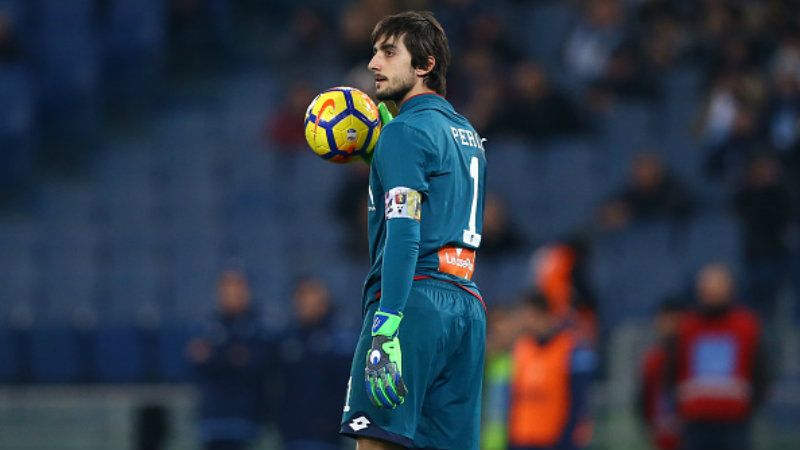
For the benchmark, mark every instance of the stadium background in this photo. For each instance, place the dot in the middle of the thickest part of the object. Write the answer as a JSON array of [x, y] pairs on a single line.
[[147, 143]]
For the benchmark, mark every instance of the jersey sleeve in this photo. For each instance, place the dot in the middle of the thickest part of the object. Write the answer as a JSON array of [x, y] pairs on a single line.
[[404, 158], [401, 163]]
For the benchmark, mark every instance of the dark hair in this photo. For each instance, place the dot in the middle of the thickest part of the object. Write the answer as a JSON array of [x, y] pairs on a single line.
[[671, 304], [536, 300], [423, 36]]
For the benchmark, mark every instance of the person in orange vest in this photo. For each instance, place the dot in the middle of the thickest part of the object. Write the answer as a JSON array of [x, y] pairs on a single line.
[[656, 398], [559, 271], [552, 367], [721, 373]]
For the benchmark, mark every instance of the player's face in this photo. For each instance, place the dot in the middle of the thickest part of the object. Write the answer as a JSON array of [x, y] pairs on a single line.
[[391, 65]]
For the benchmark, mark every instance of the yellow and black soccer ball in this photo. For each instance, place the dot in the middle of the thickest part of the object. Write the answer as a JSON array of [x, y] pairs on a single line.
[[342, 124]]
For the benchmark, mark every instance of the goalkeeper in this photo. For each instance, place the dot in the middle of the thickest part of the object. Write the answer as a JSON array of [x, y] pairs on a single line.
[[417, 370]]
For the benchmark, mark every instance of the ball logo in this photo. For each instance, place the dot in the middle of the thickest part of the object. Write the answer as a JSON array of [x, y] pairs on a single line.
[[352, 135], [329, 103], [375, 357]]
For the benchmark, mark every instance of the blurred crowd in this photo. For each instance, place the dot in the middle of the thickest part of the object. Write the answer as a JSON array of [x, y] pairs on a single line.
[[746, 123], [709, 368], [249, 375], [708, 372]]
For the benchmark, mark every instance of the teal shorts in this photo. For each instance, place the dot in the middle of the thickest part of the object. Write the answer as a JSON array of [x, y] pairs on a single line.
[[443, 339]]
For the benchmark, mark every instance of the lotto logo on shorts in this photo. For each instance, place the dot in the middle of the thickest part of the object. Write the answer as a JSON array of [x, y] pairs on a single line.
[[457, 261], [359, 423]]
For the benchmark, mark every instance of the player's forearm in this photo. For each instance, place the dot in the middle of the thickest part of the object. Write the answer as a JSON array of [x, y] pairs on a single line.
[[399, 263]]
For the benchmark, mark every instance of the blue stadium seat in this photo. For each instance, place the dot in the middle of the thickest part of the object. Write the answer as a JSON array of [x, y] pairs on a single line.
[[522, 183], [137, 26], [173, 365], [713, 237], [542, 28], [118, 355], [16, 96], [626, 129], [634, 269], [56, 356], [17, 258], [8, 355], [572, 187]]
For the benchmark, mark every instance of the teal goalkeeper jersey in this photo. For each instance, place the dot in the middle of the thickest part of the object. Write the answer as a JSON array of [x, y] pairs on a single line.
[[431, 149]]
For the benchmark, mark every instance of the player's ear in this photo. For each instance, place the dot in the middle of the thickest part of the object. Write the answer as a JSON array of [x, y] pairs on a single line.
[[423, 71]]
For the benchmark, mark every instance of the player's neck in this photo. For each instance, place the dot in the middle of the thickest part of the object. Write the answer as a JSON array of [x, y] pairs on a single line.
[[419, 89]]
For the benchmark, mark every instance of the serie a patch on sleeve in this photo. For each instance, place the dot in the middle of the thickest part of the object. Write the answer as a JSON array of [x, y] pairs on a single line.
[[403, 202]]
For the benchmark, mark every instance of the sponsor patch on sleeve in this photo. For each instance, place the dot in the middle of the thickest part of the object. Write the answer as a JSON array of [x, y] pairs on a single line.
[[403, 202]]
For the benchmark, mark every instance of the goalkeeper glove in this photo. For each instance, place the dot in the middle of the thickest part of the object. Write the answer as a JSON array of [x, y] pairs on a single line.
[[386, 115], [383, 378]]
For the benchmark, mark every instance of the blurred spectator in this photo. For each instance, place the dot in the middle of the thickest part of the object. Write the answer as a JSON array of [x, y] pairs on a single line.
[[666, 39], [476, 88], [502, 330], [593, 40], [764, 208], [552, 369], [304, 45], [652, 193], [627, 75], [313, 345], [500, 236], [732, 123], [351, 209], [355, 28], [560, 275], [152, 427], [656, 397], [534, 109], [10, 51], [230, 357], [721, 371], [198, 34], [783, 113], [285, 130], [489, 31]]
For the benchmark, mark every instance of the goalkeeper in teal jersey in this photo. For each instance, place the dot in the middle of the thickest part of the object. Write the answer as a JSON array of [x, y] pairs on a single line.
[[417, 371]]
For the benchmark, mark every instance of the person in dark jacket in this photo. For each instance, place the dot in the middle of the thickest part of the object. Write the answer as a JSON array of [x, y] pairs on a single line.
[[311, 346], [656, 398], [230, 356], [764, 207]]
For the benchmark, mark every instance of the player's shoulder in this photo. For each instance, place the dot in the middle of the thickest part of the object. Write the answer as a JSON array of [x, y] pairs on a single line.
[[405, 129]]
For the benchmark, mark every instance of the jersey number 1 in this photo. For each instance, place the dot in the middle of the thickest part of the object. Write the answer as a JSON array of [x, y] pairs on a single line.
[[471, 237]]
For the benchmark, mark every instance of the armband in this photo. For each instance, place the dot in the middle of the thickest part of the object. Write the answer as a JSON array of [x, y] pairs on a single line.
[[403, 202]]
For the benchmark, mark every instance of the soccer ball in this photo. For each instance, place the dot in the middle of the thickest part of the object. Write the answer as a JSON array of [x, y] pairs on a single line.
[[342, 124]]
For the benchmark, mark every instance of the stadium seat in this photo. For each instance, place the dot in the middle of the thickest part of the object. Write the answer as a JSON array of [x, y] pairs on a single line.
[[542, 28], [570, 184], [134, 43], [8, 355], [118, 354], [626, 129], [634, 269], [713, 237], [55, 355], [17, 257], [173, 366], [16, 96]]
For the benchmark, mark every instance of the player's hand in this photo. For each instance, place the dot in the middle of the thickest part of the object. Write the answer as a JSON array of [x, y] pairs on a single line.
[[382, 376], [386, 115]]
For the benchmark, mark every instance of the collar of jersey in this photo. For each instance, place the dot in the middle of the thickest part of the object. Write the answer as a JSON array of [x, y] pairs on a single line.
[[420, 99]]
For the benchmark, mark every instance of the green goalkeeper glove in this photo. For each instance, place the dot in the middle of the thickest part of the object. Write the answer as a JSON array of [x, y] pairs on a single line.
[[383, 378], [386, 115]]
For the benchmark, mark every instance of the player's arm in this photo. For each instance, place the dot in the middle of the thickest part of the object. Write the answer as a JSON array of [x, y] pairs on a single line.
[[400, 165]]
